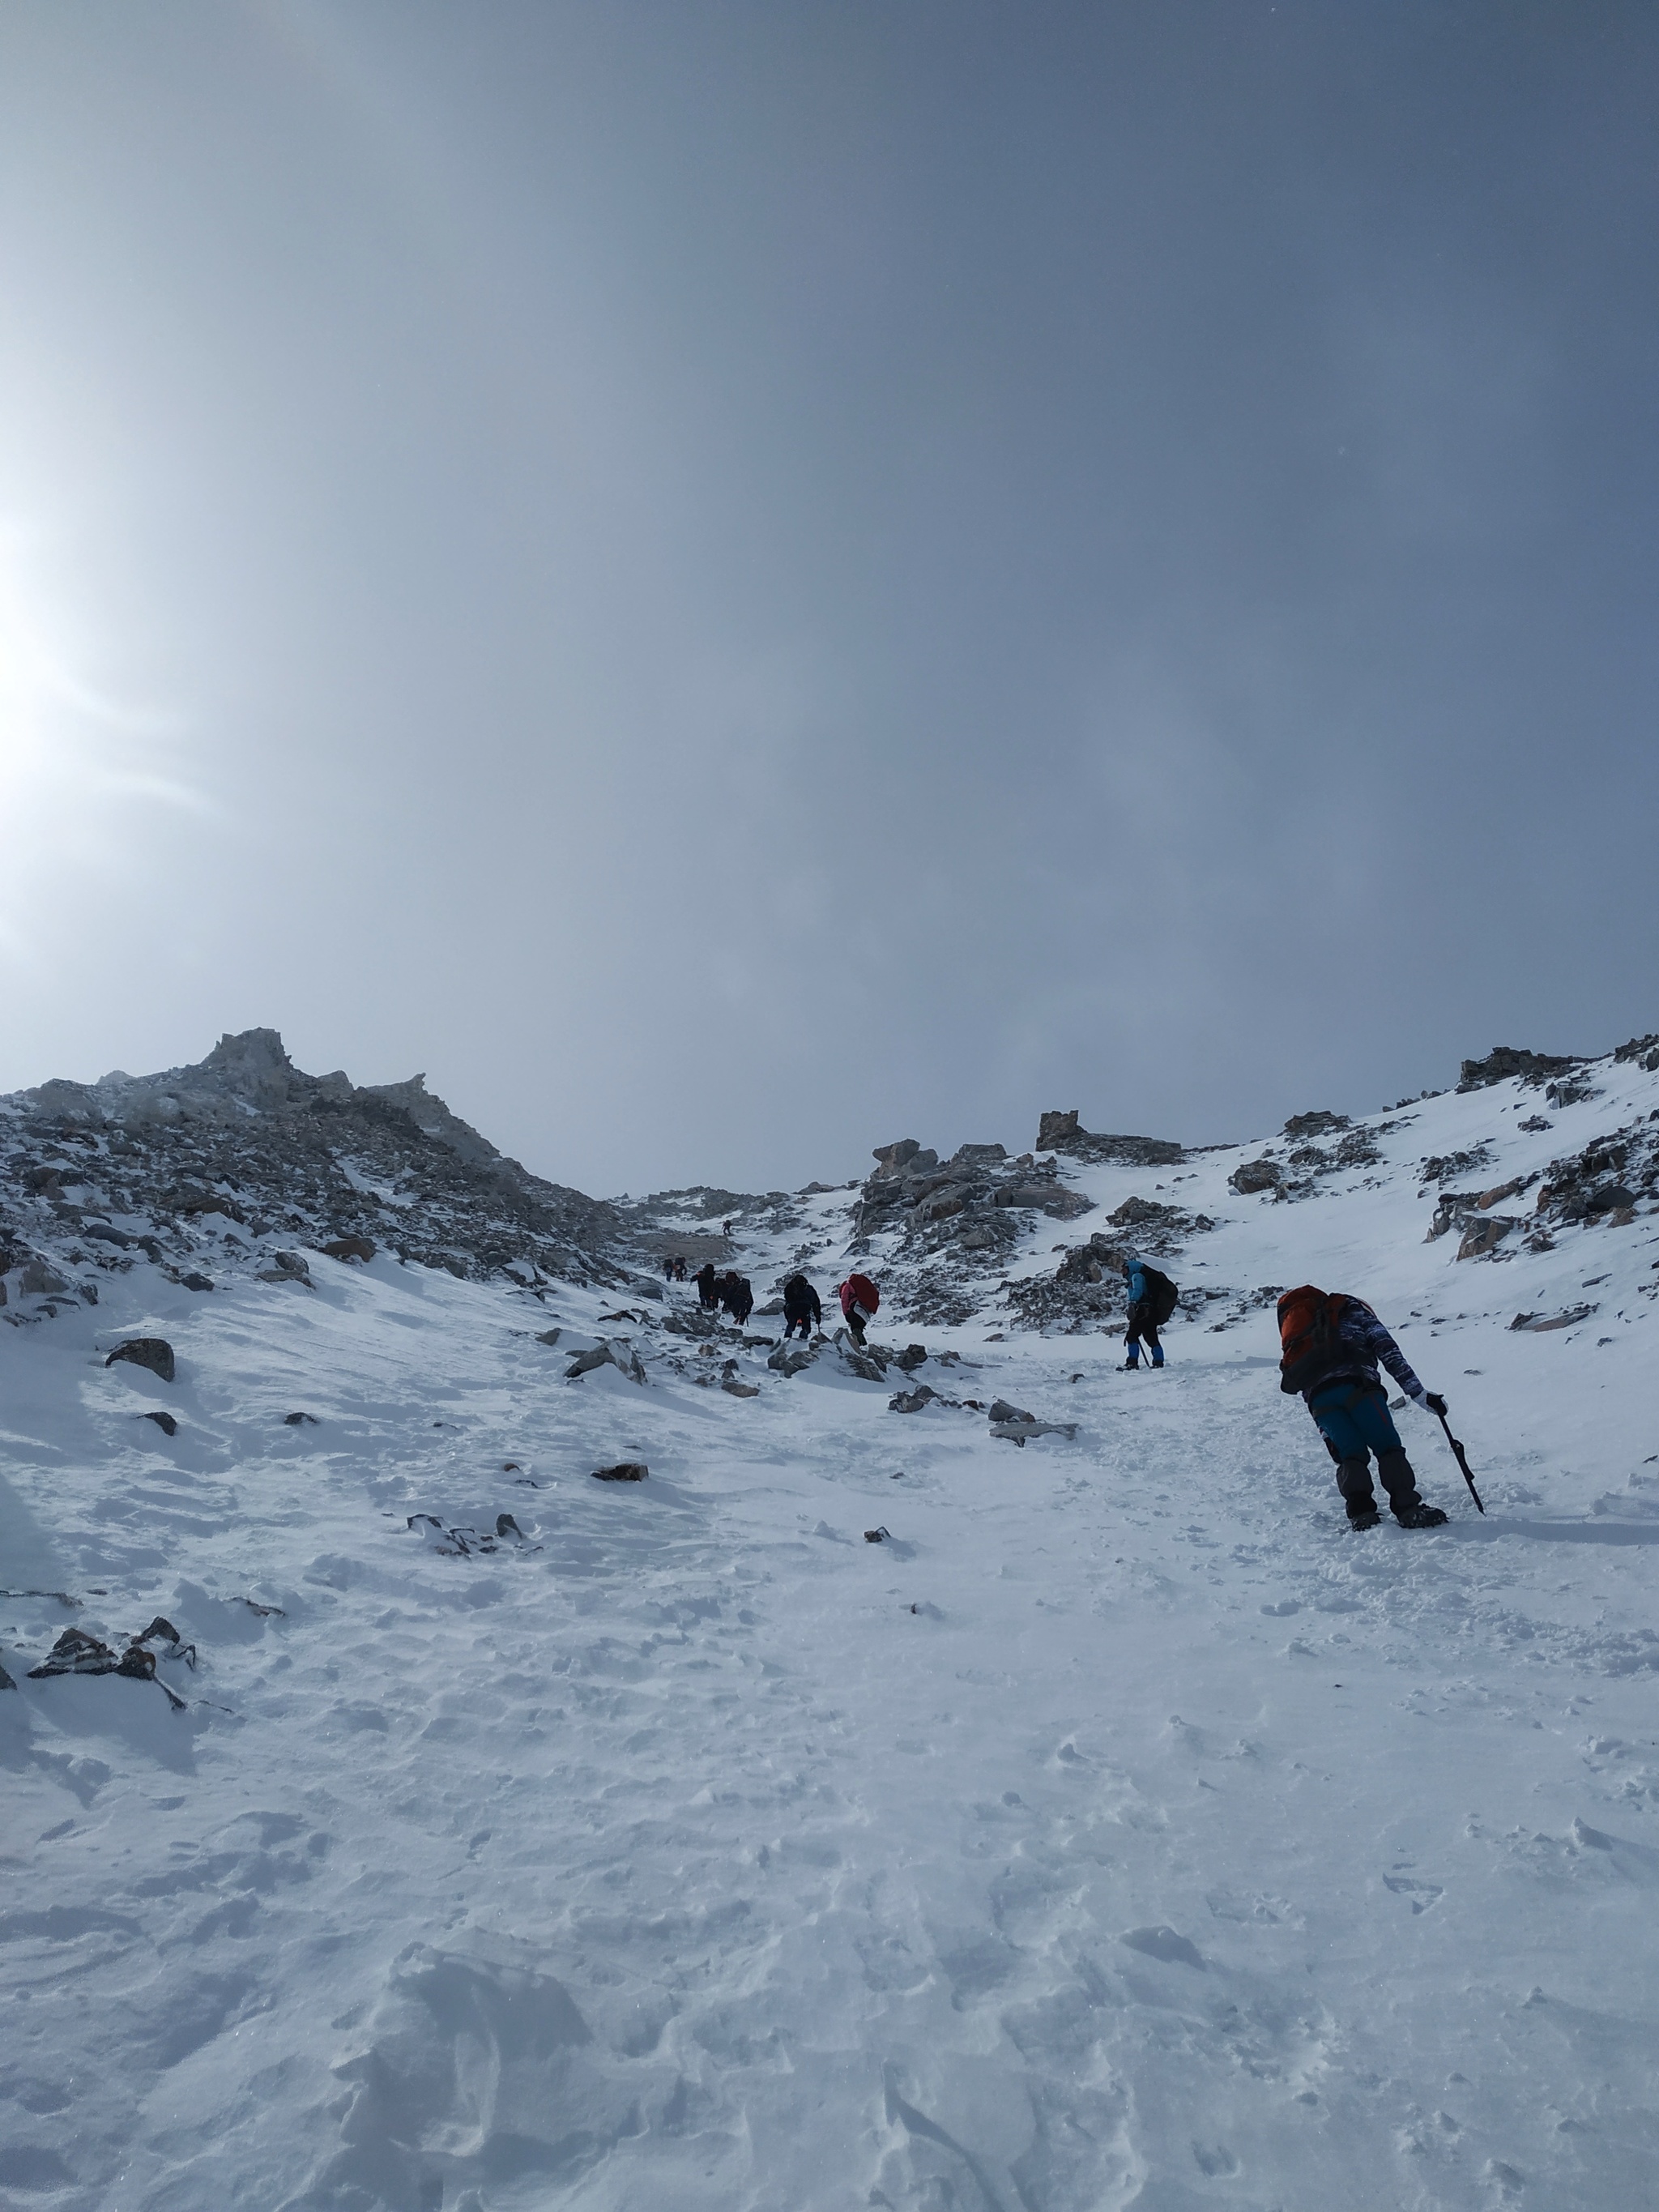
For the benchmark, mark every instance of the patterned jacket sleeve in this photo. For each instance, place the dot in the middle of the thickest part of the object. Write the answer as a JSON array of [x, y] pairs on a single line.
[[1361, 1326]]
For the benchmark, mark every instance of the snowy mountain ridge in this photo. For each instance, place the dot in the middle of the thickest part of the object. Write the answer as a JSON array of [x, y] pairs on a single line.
[[959, 1773]]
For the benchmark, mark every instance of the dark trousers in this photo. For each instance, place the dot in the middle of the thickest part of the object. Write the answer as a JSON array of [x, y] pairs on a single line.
[[803, 1322], [1141, 1325], [1356, 1423]]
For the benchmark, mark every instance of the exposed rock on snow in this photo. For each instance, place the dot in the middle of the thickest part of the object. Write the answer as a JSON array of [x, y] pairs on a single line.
[[1504, 1062], [225, 1157], [1301, 1126], [153, 1352], [607, 1352], [1060, 1133]]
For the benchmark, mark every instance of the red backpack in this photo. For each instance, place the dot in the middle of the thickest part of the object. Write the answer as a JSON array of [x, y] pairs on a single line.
[[1308, 1343], [863, 1292]]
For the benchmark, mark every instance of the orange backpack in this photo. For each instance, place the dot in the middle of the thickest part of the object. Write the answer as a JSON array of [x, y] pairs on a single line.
[[1308, 1343]]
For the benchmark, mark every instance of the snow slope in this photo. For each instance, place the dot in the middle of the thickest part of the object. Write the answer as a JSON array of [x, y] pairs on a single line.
[[1119, 1830]]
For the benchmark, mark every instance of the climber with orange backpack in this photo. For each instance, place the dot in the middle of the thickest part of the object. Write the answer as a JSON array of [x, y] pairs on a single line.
[[859, 1299], [1331, 1345]]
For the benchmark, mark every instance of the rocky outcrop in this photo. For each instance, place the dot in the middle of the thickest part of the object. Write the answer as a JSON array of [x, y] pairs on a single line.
[[244, 1160], [1061, 1132], [1609, 1179], [1505, 1062]]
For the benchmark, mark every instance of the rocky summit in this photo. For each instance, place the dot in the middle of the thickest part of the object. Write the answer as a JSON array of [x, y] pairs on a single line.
[[220, 1171]]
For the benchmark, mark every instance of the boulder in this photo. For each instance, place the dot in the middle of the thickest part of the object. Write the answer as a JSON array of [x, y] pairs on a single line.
[[604, 1353], [1612, 1196], [1135, 1212], [911, 1401], [153, 1352], [625, 1470], [1301, 1126], [349, 1247], [1016, 1427], [287, 1267], [1483, 1236], [41, 1281], [893, 1159], [1255, 1176]]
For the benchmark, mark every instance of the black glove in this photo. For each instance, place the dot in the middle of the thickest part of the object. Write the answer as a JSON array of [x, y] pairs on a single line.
[[1435, 1403]]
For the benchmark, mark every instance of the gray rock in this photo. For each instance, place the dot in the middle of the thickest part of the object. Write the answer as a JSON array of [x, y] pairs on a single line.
[[605, 1354], [1301, 1126], [1483, 1236], [1255, 1176], [791, 1358], [1061, 1132], [287, 1267], [893, 1159], [1504, 1060], [349, 1247], [153, 1352], [911, 1401]]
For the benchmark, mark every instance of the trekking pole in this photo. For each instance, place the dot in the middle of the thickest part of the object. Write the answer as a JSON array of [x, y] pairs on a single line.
[[1457, 1451]]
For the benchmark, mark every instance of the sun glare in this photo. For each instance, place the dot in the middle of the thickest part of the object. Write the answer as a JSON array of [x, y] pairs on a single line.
[[74, 763]]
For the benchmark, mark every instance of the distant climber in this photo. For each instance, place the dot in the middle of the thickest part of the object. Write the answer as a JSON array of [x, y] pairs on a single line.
[[707, 1279], [1331, 1345], [1152, 1299], [803, 1310], [859, 1299]]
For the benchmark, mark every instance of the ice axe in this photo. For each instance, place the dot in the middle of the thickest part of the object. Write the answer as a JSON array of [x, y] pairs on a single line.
[[1459, 1454]]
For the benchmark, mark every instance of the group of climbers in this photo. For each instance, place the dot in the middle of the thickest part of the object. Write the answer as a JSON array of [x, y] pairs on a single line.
[[730, 1290], [1331, 1347]]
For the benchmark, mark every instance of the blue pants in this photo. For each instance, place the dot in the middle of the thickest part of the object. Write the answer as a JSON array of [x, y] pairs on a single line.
[[1355, 1421]]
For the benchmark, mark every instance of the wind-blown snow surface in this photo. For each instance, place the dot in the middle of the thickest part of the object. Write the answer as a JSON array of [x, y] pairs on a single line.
[[1122, 1830]]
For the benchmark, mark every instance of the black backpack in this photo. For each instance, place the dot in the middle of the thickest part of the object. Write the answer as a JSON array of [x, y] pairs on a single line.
[[1162, 1296]]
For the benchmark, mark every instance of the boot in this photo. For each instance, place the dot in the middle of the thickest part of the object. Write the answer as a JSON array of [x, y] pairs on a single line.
[[1420, 1515]]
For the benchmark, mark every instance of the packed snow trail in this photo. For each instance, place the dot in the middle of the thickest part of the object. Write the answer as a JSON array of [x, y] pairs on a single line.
[[1121, 1830]]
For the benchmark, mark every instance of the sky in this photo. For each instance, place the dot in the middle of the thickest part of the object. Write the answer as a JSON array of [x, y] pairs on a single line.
[[737, 581]]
